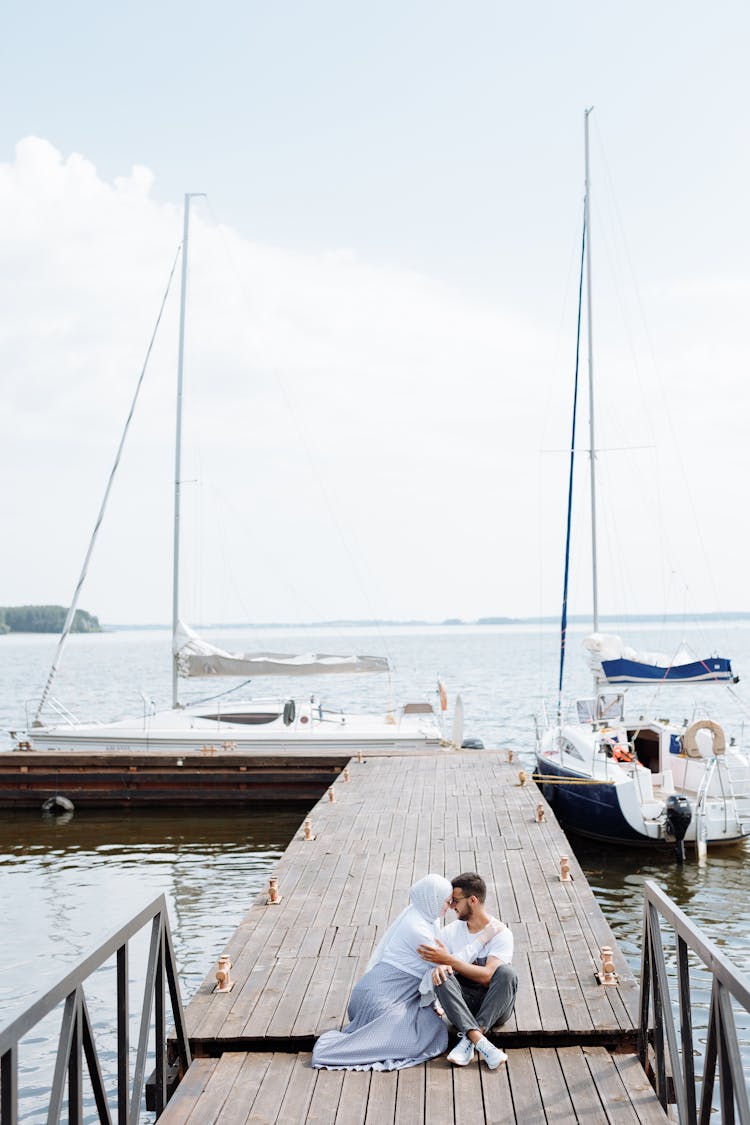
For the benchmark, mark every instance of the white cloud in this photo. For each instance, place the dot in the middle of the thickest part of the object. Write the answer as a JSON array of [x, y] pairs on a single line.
[[345, 405], [363, 440]]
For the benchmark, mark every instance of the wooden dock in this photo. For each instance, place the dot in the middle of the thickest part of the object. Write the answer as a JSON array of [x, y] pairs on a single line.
[[571, 1041], [216, 776]]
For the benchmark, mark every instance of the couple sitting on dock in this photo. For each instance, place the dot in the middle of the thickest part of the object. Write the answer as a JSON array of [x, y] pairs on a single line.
[[397, 1010]]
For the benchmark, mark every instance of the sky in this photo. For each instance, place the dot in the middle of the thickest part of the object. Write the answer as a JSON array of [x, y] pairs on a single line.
[[381, 309]]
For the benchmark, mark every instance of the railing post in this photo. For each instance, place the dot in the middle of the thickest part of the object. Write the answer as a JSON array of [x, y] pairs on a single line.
[[75, 1069], [123, 1036], [686, 1027], [9, 1087], [709, 1061], [645, 995], [160, 1031]]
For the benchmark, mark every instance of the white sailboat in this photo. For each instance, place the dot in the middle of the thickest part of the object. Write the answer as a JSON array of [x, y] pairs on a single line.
[[624, 777], [259, 724]]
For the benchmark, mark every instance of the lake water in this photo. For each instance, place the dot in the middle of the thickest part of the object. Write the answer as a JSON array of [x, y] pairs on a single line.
[[64, 887]]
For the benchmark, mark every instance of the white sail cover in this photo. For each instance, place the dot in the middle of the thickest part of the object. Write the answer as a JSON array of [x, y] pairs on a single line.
[[617, 663], [196, 657], [608, 646]]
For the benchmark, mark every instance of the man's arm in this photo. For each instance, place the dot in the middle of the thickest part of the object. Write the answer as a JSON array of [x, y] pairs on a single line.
[[438, 955]]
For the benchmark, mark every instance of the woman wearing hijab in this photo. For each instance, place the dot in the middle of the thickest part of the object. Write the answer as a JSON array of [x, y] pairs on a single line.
[[390, 1025]]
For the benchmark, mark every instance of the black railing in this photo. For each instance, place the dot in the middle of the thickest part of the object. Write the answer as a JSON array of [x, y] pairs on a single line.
[[675, 1050], [76, 1041]]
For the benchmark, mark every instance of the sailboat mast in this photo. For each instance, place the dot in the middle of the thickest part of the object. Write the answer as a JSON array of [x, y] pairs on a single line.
[[592, 442], [178, 447]]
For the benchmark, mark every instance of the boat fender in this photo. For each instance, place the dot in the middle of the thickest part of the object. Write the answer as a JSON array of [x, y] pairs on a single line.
[[57, 805], [689, 741], [289, 712]]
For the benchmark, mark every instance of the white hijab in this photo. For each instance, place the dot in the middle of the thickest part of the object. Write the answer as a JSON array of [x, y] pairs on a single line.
[[418, 923]]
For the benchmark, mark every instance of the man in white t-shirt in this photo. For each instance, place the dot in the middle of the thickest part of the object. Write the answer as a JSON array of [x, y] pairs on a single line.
[[473, 978]]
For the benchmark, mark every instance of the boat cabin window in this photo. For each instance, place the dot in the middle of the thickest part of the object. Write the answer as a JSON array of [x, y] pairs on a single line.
[[646, 746], [569, 748], [585, 709], [249, 718], [610, 707]]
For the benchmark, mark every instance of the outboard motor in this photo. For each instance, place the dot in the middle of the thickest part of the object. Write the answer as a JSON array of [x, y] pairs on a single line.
[[679, 815]]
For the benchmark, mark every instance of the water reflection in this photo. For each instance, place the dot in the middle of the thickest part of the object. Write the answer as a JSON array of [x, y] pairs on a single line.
[[704, 891], [65, 887]]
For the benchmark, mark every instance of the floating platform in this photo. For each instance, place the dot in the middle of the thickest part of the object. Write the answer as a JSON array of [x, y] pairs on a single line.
[[160, 779], [571, 1041]]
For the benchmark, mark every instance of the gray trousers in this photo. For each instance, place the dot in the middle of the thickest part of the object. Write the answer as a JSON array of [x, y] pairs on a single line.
[[472, 1007]]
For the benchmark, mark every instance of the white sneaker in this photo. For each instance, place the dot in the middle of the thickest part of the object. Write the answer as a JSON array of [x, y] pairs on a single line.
[[463, 1052], [491, 1054]]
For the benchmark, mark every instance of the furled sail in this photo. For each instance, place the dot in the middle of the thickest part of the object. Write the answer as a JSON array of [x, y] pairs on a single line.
[[196, 657], [617, 663]]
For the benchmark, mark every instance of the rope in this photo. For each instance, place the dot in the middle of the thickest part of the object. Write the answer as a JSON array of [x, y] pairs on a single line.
[[543, 780], [210, 698], [564, 616], [74, 602]]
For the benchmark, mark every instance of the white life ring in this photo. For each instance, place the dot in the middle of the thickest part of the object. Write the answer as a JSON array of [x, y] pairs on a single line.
[[690, 745]]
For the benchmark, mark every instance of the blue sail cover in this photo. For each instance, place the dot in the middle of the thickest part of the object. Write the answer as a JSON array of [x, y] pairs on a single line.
[[715, 669]]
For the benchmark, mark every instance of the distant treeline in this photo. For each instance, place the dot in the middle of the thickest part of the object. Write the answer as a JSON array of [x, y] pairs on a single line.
[[44, 619]]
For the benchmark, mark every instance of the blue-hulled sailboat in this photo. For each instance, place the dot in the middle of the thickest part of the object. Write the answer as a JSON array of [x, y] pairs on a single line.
[[627, 778]]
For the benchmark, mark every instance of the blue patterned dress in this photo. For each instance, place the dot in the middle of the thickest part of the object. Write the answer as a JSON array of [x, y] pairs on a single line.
[[388, 1029]]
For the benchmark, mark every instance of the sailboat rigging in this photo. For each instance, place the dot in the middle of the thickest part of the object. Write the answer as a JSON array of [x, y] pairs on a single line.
[[242, 725], [623, 778]]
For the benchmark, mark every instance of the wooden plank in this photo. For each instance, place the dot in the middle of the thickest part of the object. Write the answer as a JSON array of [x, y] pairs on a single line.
[[381, 1103], [182, 1102], [355, 1090], [217, 1089], [614, 1097], [298, 1093], [311, 1008], [527, 1098], [527, 1010], [468, 1101], [496, 1092], [551, 1011], [326, 1096], [582, 1091], [267, 1102], [439, 1093], [552, 1086], [410, 1096], [287, 1010], [642, 1095], [245, 1088]]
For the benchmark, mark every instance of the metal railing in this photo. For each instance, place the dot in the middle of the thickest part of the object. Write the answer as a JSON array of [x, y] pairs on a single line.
[[76, 1040], [657, 1018]]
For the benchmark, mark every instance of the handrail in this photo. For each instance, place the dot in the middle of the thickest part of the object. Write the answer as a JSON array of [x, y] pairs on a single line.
[[61, 710], [722, 1043], [76, 1034]]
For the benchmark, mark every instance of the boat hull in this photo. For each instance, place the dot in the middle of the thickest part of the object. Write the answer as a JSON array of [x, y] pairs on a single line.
[[260, 725], [609, 808], [589, 809]]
